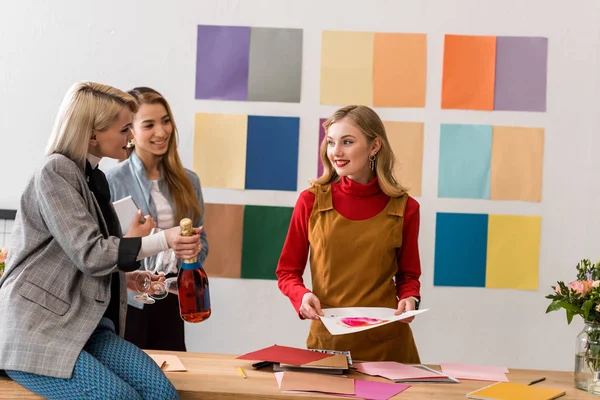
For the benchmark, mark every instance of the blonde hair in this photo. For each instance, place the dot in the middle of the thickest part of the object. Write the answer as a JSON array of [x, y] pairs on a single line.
[[180, 186], [87, 107], [372, 127]]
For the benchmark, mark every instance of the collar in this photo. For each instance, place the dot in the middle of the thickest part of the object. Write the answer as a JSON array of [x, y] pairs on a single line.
[[354, 188], [94, 161]]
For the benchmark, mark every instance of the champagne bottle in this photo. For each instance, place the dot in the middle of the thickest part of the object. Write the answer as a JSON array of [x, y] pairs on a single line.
[[192, 285]]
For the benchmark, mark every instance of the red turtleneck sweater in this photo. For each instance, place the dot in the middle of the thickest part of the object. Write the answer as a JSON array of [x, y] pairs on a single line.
[[354, 201]]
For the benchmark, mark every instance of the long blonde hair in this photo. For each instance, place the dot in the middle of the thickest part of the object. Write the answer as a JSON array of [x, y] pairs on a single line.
[[87, 107], [180, 186], [372, 127]]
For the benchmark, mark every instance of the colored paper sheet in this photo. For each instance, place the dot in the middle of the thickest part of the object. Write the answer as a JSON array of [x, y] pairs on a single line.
[[521, 73], [406, 140], [475, 372], [344, 320], [399, 70], [465, 153], [513, 250], [172, 363], [272, 153], [469, 72], [275, 66], [363, 389], [222, 54], [517, 163], [223, 224], [321, 137], [347, 68], [220, 149], [510, 390], [265, 229], [312, 382], [460, 249], [393, 370], [284, 355]]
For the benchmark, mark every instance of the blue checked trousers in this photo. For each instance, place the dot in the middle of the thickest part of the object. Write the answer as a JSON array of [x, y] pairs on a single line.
[[108, 367]]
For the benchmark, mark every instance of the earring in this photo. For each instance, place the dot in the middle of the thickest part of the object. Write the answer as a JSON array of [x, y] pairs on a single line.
[[130, 144], [372, 162]]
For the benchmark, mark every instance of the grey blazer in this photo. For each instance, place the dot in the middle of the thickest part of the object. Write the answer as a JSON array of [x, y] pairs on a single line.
[[56, 286], [128, 178]]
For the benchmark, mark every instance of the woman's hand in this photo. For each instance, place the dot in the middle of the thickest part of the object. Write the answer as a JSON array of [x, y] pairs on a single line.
[[138, 229], [404, 305], [139, 276], [310, 307], [185, 247]]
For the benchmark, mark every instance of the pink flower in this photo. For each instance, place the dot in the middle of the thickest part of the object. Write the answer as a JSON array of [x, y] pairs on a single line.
[[3, 254], [581, 287]]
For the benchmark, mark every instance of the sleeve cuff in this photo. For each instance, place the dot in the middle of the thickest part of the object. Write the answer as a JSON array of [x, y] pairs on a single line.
[[153, 244], [128, 252]]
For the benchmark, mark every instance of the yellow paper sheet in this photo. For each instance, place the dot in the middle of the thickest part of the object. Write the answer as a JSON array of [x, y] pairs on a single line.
[[517, 163], [220, 150], [174, 364], [347, 68], [399, 70], [406, 140], [513, 252], [224, 225]]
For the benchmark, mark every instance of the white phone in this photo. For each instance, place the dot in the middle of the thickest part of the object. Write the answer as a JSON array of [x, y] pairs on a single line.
[[126, 210]]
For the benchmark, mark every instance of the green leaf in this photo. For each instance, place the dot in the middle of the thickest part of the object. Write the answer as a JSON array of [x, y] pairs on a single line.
[[587, 306], [570, 315], [569, 307], [555, 305]]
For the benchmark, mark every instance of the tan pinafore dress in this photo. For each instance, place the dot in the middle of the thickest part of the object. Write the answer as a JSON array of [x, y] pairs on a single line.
[[352, 265]]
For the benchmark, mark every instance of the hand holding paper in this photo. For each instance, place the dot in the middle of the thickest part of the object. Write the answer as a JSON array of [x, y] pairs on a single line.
[[340, 321]]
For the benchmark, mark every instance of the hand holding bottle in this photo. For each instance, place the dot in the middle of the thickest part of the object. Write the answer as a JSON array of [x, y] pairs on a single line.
[[185, 247]]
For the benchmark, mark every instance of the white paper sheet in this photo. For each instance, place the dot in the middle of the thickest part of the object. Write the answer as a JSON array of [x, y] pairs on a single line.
[[340, 321]]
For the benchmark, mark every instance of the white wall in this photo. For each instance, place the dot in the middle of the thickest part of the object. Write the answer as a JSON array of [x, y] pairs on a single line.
[[45, 46]]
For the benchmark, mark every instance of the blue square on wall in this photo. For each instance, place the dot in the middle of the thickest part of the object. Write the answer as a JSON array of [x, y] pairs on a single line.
[[272, 153], [465, 161], [460, 249]]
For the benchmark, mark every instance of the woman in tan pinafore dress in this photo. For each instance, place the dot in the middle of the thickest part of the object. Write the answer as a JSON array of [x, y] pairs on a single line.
[[361, 230]]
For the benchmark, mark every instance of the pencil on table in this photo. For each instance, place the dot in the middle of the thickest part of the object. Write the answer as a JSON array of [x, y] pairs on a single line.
[[242, 372], [163, 365]]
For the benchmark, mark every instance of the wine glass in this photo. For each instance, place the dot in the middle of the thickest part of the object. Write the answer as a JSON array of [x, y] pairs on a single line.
[[164, 262]]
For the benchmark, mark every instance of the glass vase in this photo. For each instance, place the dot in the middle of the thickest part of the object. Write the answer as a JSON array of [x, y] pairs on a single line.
[[587, 355]]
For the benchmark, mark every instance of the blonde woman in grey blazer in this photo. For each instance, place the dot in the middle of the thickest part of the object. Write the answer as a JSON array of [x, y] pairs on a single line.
[[63, 293]]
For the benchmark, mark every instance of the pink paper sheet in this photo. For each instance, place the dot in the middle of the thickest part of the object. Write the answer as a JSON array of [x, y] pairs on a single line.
[[475, 372]]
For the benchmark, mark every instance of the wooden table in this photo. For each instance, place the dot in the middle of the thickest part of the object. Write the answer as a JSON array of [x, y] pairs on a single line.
[[215, 376]]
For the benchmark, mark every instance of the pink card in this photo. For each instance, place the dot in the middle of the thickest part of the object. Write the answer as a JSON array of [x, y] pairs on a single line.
[[394, 370], [475, 372]]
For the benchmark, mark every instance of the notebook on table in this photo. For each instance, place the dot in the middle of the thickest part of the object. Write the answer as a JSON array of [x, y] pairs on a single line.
[[515, 391]]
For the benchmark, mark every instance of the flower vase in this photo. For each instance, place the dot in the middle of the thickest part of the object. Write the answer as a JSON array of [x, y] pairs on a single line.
[[587, 355]]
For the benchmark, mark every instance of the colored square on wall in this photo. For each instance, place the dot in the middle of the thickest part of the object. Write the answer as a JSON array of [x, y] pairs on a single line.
[[460, 249], [222, 55], [513, 252], [464, 167], [265, 230], [220, 149], [469, 72], [517, 163], [521, 73], [272, 153], [321, 137], [347, 68], [399, 70], [223, 224], [406, 140], [275, 67]]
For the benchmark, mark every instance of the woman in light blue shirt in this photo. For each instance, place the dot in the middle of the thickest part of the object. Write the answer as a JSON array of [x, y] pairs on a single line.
[[155, 178]]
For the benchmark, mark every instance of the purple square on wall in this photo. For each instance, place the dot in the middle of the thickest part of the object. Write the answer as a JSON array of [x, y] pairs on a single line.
[[521, 73], [222, 59], [321, 137]]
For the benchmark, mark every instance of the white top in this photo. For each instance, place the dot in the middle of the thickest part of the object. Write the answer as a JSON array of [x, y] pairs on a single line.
[[164, 211], [152, 244]]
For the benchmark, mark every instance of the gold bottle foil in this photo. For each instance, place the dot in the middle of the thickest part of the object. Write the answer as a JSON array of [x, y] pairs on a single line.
[[187, 230]]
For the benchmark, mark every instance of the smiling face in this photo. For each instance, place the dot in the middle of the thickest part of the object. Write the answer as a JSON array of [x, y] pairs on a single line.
[[348, 150], [152, 130], [112, 142]]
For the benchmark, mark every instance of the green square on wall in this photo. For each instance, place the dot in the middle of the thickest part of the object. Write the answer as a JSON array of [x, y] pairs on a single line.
[[265, 229]]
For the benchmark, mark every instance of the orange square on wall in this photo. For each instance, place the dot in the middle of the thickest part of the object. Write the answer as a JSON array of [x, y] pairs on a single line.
[[224, 224]]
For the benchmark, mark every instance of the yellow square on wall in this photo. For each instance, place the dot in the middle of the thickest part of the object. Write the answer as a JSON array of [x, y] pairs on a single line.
[[513, 252], [220, 150]]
